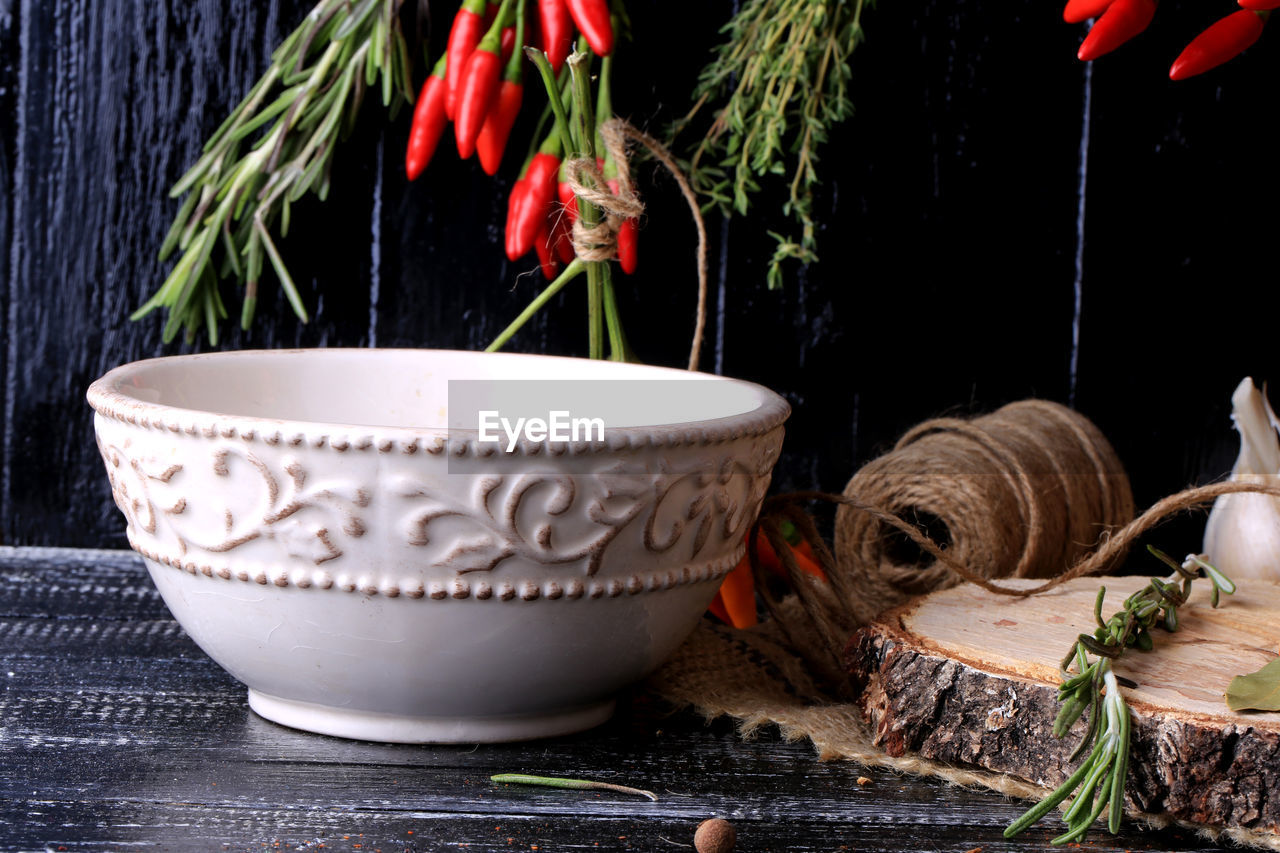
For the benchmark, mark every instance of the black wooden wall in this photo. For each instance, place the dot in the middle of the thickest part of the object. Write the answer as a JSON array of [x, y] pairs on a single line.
[[999, 221]]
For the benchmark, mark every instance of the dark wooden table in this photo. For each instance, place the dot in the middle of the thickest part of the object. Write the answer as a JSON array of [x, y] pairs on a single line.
[[118, 733]]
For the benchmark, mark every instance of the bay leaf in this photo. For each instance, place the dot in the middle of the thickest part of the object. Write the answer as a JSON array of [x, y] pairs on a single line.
[[1258, 691]]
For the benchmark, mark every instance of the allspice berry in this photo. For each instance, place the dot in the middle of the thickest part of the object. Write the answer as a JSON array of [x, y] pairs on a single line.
[[715, 836]]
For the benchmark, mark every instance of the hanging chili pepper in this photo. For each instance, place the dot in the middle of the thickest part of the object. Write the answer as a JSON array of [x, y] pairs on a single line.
[[429, 120], [628, 245], [557, 31], [566, 215], [1079, 11], [1122, 20], [539, 194], [479, 86], [468, 28], [1223, 40], [591, 17], [628, 230], [562, 233], [508, 43], [568, 200], [542, 245], [515, 204], [1260, 5], [492, 141]]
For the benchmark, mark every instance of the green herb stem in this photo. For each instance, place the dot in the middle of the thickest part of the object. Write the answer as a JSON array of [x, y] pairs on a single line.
[[571, 784], [569, 273]]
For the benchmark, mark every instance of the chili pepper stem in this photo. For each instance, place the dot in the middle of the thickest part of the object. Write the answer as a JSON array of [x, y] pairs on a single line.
[[595, 311], [543, 65], [570, 273], [619, 349], [579, 72]]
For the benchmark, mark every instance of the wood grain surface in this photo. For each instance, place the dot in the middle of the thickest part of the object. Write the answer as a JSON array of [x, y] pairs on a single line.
[[997, 221], [965, 676], [117, 733]]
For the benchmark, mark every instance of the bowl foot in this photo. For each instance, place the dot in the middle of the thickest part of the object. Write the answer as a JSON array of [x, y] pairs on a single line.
[[391, 728]]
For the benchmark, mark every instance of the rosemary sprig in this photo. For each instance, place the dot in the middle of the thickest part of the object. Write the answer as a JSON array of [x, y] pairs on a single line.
[[239, 191], [781, 80], [570, 784], [1100, 778]]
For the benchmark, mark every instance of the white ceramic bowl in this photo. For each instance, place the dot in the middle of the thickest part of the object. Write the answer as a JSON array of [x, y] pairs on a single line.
[[303, 516]]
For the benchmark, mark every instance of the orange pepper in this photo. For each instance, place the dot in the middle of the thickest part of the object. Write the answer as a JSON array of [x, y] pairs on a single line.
[[802, 553], [735, 603], [738, 595]]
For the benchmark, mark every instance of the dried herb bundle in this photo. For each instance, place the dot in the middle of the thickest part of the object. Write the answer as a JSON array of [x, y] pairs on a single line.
[[781, 81], [240, 189]]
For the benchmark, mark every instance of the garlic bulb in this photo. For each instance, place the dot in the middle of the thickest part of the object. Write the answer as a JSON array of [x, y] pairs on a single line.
[[1242, 537]]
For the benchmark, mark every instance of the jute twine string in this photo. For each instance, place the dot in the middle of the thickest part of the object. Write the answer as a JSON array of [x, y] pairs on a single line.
[[1033, 478], [1022, 492], [600, 241]]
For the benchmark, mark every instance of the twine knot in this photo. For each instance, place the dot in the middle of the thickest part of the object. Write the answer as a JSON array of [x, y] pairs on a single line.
[[599, 242]]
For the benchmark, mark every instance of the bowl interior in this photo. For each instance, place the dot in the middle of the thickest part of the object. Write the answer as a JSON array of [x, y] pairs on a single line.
[[413, 388]]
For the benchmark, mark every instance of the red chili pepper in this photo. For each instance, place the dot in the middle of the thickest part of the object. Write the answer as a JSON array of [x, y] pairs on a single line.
[[557, 31], [428, 122], [591, 17], [567, 214], [492, 141], [562, 233], [628, 234], [475, 96], [1123, 20], [541, 190], [508, 43], [1223, 40], [1260, 5], [628, 245], [542, 244], [479, 86], [515, 206], [468, 28], [568, 200], [1078, 11]]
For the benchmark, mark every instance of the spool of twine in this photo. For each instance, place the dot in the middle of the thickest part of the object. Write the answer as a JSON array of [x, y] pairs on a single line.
[[1023, 492]]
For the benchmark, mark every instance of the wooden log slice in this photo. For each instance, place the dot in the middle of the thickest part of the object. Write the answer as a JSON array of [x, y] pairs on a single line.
[[967, 677]]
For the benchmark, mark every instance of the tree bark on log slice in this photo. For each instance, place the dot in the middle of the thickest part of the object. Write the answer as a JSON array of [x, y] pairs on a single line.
[[967, 677]]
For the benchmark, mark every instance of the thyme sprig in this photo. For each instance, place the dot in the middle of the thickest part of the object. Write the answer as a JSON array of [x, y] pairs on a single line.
[[1100, 778], [781, 80], [241, 188]]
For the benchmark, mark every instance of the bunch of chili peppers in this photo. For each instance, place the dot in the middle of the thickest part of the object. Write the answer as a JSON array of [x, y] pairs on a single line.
[[478, 85], [1118, 21]]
